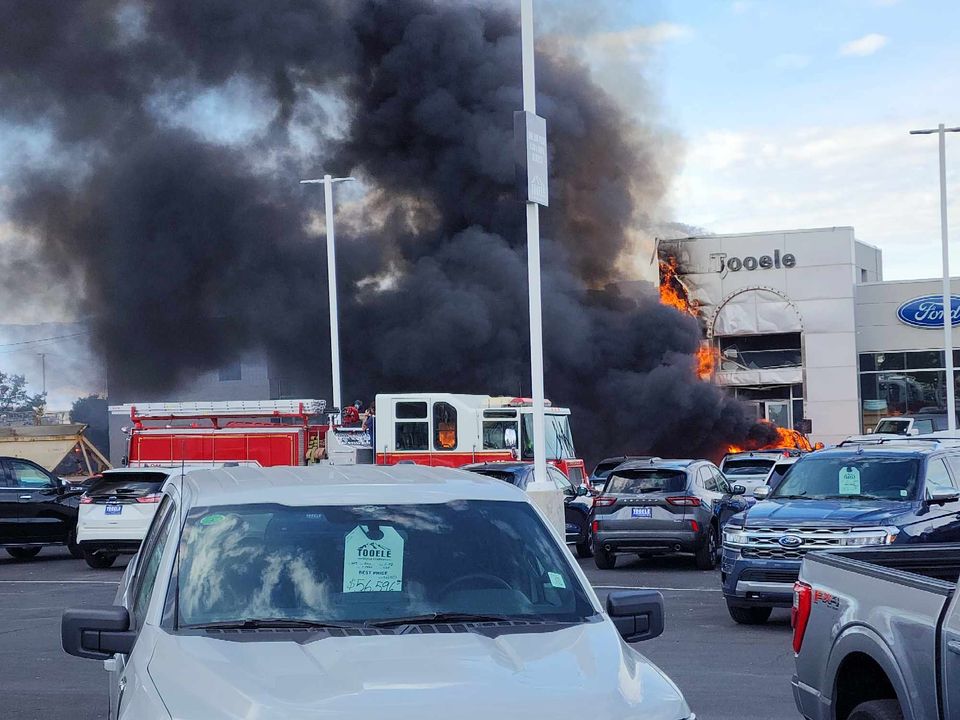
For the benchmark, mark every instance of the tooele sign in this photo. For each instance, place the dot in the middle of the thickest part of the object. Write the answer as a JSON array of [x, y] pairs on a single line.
[[722, 263]]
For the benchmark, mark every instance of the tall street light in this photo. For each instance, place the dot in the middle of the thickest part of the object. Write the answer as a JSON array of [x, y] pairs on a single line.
[[534, 143], [947, 295], [327, 181]]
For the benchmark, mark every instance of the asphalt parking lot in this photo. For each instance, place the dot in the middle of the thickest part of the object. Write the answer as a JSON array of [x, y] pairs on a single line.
[[727, 672]]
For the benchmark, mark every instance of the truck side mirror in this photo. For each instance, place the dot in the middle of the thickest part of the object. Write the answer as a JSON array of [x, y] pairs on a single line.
[[739, 490], [638, 614], [762, 492], [510, 438], [941, 495], [97, 632]]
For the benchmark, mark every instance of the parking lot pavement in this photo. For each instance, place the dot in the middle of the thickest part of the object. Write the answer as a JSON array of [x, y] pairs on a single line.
[[38, 680], [726, 671]]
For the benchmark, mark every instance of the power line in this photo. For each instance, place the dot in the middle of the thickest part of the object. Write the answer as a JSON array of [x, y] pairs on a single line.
[[46, 339]]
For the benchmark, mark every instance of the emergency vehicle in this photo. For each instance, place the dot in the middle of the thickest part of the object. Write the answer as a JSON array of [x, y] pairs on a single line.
[[440, 429], [452, 430]]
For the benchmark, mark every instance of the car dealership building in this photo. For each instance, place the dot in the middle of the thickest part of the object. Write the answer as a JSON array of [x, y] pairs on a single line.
[[808, 331]]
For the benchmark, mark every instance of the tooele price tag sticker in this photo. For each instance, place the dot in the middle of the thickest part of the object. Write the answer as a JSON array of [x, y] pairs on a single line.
[[849, 481], [371, 563]]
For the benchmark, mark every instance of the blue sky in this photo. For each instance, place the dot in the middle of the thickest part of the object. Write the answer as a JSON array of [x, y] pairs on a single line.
[[795, 114]]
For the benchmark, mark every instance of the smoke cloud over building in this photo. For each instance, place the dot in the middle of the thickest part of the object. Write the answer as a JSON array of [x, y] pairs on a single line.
[[166, 201]]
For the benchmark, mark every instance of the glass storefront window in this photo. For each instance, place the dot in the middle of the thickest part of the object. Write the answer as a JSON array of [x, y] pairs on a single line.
[[925, 359], [903, 392]]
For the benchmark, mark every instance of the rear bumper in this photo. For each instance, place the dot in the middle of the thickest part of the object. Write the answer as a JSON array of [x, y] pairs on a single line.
[[87, 533], [810, 702], [110, 547], [650, 541], [751, 582]]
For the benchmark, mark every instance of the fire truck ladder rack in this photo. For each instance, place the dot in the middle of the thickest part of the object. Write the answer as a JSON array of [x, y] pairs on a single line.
[[299, 409]]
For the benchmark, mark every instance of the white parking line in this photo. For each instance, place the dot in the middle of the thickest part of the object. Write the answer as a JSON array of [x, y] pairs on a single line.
[[664, 589], [57, 582]]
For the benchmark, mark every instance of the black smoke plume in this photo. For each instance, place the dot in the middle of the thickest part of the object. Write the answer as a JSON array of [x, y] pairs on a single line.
[[190, 243]]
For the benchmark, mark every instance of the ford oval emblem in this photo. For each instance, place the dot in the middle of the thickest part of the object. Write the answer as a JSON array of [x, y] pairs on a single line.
[[927, 311], [791, 541]]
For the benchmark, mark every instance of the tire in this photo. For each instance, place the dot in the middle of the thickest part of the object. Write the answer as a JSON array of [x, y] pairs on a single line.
[[72, 546], [99, 562], [749, 615], [23, 553], [877, 710], [707, 553], [604, 559]]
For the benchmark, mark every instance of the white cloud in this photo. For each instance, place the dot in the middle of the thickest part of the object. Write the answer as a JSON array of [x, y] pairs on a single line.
[[874, 177], [792, 61], [866, 45]]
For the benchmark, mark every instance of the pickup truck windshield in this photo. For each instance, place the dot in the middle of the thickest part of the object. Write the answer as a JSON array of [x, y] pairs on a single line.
[[638, 482], [856, 477], [373, 563], [559, 439]]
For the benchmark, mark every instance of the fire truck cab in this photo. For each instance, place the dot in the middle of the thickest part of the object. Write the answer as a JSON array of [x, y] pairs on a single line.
[[451, 430]]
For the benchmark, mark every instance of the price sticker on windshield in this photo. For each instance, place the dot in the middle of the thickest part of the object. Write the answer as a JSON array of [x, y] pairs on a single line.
[[849, 481], [373, 560]]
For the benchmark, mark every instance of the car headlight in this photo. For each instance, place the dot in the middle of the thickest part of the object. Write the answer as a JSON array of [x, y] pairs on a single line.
[[734, 537], [881, 536]]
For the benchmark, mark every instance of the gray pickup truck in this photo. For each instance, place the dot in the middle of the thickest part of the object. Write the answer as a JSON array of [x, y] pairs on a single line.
[[877, 634]]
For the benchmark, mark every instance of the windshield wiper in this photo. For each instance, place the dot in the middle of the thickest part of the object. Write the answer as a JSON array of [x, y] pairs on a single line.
[[854, 497], [442, 617], [261, 623], [802, 496]]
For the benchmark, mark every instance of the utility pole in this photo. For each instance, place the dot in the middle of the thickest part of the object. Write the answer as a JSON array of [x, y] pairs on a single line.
[[941, 131], [327, 181], [43, 370]]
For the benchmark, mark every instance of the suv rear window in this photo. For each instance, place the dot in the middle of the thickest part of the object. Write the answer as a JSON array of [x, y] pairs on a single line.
[[747, 466], [127, 484], [605, 468], [512, 478], [638, 482]]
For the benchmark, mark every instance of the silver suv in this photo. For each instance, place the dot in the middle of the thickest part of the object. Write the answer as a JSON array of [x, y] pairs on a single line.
[[660, 506]]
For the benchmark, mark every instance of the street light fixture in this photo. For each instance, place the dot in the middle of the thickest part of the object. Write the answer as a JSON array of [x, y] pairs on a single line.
[[327, 181], [947, 294]]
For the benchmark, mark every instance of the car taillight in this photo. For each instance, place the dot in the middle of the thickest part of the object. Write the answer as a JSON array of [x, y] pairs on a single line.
[[596, 526], [154, 498], [684, 501], [603, 501], [800, 613], [86, 500], [695, 526]]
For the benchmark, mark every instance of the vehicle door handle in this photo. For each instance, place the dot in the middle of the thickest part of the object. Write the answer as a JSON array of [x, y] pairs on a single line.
[[26, 497], [954, 646]]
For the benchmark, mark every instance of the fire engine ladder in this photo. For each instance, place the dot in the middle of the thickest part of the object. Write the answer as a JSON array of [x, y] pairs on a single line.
[[227, 408]]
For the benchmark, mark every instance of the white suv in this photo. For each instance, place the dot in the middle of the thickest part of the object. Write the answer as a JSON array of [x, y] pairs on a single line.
[[402, 592], [116, 511]]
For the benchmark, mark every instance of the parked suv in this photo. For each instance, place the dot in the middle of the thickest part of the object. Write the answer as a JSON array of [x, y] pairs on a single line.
[[751, 469], [36, 509], [358, 591], [116, 511], [576, 500], [890, 492], [661, 506]]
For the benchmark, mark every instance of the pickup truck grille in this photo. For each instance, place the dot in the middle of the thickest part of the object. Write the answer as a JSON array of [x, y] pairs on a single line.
[[764, 542]]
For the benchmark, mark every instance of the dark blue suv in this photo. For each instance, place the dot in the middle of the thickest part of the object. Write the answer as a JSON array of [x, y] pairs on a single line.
[[901, 491]]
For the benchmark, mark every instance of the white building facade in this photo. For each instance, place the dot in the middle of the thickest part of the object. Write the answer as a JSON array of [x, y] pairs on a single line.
[[781, 310]]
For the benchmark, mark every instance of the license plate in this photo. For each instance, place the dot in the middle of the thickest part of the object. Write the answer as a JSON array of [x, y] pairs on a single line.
[[641, 512], [113, 509]]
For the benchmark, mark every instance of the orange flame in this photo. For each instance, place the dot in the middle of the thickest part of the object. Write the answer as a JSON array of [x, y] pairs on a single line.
[[786, 439], [674, 294]]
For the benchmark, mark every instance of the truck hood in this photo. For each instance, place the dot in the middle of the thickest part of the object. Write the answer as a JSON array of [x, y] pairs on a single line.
[[399, 677], [826, 512]]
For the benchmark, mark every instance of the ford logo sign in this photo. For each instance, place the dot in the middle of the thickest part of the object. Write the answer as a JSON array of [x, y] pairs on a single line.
[[790, 541], [927, 311]]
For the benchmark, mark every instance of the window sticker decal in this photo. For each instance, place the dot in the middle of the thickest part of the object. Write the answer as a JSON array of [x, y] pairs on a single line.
[[373, 560], [556, 579], [849, 481]]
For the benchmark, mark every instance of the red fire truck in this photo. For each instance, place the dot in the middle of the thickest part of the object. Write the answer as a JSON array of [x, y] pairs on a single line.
[[452, 430], [441, 429]]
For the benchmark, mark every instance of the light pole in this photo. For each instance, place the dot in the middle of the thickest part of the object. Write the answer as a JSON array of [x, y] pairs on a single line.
[[327, 181], [947, 294], [43, 370], [533, 258]]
